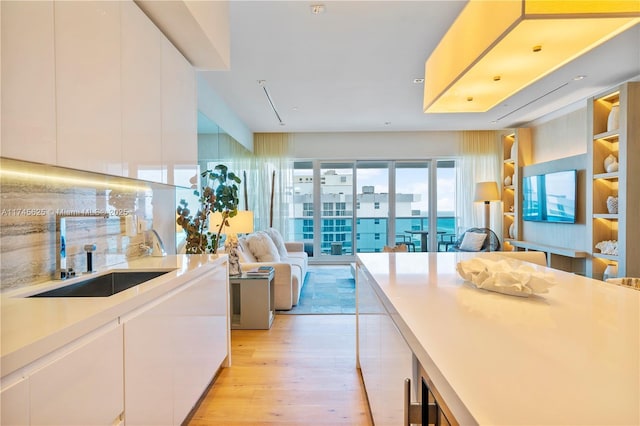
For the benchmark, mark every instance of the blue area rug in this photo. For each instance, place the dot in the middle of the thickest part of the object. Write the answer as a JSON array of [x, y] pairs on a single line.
[[326, 290]]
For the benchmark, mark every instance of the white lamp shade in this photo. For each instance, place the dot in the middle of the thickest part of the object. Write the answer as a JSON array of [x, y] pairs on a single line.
[[242, 223], [486, 191]]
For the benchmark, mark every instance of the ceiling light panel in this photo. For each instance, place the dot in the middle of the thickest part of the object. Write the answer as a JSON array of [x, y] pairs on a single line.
[[492, 39]]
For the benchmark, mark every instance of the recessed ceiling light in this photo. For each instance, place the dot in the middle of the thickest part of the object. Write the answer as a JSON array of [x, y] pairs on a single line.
[[418, 80], [317, 9], [579, 77]]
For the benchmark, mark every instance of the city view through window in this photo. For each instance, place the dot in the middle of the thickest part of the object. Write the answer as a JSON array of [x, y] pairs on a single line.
[[391, 205]]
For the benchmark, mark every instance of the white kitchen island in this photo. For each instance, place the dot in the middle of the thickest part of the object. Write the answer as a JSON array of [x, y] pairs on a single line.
[[567, 357]]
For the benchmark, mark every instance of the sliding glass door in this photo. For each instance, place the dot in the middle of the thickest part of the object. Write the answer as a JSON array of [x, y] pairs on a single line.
[[301, 210], [345, 207], [336, 209], [447, 223], [412, 204], [372, 206]]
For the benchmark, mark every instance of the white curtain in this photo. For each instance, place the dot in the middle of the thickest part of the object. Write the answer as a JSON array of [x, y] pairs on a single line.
[[479, 162], [237, 158], [271, 159]]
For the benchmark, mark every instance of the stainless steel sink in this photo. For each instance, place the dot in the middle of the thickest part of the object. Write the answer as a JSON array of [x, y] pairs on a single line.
[[103, 285]]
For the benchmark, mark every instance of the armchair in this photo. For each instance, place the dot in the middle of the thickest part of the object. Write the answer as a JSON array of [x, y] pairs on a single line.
[[490, 243]]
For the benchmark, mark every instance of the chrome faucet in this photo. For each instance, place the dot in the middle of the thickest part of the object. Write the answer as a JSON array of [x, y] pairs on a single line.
[[157, 246], [62, 272]]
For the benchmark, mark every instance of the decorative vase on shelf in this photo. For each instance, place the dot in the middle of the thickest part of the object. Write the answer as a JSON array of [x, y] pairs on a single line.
[[613, 167], [611, 159], [512, 231], [611, 271], [514, 152], [613, 122], [508, 181], [612, 204]]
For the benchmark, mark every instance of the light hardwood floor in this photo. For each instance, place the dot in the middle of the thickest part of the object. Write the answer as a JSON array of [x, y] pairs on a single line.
[[300, 372]]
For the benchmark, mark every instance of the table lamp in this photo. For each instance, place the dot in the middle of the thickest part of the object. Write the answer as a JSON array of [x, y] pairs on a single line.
[[241, 223], [487, 192]]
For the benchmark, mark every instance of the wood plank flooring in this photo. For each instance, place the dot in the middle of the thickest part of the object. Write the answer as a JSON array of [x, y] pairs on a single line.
[[300, 372]]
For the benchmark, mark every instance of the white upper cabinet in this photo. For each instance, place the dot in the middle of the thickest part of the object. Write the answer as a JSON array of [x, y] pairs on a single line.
[[87, 42], [141, 95], [96, 86], [179, 117], [28, 82]]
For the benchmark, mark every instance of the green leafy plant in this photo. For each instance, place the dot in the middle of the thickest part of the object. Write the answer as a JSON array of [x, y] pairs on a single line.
[[219, 194]]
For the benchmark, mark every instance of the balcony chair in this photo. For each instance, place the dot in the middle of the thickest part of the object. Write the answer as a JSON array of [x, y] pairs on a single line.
[[406, 240]]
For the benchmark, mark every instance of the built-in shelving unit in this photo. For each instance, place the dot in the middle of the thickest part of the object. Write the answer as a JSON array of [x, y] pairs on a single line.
[[516, 152], [623, 142]]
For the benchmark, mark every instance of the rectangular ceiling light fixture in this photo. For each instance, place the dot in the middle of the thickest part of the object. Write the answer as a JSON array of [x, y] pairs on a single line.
[[497, 48]]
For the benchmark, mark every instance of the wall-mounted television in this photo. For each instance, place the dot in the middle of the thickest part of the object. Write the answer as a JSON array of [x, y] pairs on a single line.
[[550, 197]]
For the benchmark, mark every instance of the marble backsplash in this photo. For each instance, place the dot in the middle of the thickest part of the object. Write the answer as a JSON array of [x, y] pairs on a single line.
[[31, 195]]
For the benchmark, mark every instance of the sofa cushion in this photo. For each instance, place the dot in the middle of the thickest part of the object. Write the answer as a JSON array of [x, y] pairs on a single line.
[[262, 247], [300, 258], [277, 240]]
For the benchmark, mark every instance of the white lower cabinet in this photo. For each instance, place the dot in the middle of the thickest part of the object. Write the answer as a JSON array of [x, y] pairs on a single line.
[[384, 357], [14, 403], [173, 348], [84, 386]]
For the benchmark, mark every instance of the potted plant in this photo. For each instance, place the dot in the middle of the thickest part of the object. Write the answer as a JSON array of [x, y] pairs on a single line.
[[219, 194]]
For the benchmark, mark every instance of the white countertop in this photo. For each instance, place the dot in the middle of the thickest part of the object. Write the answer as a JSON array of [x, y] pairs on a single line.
[[34, 327], [567, 357]]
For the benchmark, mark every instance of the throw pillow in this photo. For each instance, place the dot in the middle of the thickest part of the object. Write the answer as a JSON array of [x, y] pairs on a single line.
[[472, 241], [276, 236], [262, 247], [244, 252]]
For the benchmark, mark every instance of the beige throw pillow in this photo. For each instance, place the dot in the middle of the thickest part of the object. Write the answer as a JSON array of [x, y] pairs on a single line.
[[244, 252], [276, 236], [472, 241], [262, 247]]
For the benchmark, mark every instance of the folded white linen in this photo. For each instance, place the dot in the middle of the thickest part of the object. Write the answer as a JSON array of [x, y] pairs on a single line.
[[506, 276]]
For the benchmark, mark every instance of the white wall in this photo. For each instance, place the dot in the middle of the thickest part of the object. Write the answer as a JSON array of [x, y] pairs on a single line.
[[375, 145], [213, 106]]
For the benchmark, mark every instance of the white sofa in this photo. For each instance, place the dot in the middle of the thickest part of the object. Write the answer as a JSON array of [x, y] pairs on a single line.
[[288, 259]]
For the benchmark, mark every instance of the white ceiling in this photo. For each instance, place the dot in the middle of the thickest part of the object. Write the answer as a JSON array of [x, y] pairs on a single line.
[[352, 68]]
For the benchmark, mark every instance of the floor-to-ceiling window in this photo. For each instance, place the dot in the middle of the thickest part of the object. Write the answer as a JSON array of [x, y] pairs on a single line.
[[347, 207], [336, 213], [301, 211], [412, 203], [372, 205], [447, 223]]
